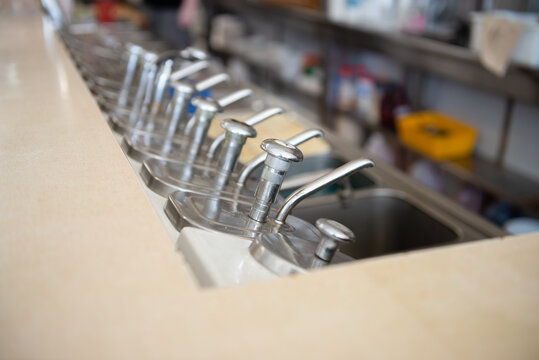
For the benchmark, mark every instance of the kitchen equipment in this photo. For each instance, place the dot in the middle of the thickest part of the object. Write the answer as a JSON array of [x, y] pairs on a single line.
[[218, 214], [288, 254], [160, 138], [384, 220], [148, 103], [165, 176], [141, 145]]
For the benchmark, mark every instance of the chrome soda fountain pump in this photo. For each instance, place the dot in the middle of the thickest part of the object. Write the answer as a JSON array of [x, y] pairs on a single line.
[[206, 110], [295, 140], [278, 159], [112, 91], [286, 254], [212, 209], [249, 220], [160, 75], [142, 111], [252, 121], [139, 66], [192, 178], [144, 63], [141, 144], [164, 177], [182, 147], [183, 91], [167, 176], [162, 174]]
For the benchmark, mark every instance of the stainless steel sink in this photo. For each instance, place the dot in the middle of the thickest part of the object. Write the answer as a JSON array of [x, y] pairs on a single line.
[[384, 221]]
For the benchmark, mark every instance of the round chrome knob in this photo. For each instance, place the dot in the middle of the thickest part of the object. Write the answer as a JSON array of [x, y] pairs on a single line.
[[183, 87], [239, 128], [134, 49], [150, 56], [236, 134], [294, 140], [281, 150], [334, 235], [206, 104]]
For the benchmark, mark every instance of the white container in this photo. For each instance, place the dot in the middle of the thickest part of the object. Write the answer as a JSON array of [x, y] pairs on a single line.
[[526, 51], [376, 14]]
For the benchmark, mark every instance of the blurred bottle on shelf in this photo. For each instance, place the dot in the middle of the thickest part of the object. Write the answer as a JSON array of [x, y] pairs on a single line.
[[346, 98], [105, 10], [367, 101], [394, 103]]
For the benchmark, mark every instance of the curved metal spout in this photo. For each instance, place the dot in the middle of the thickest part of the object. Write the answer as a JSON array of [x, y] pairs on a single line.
[[321, 183]]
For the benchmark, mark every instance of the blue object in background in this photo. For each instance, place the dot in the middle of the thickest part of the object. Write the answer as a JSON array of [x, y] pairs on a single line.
[[498, 212], [521, 225], [190, 107]]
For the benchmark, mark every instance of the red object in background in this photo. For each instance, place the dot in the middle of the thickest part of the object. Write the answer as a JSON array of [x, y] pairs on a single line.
[[309, 62], [393, 99], [346, 71], [105, 10]]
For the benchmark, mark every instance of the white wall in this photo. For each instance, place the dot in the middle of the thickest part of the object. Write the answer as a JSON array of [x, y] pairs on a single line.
[[522, 152], [480, 109], [485, 111]]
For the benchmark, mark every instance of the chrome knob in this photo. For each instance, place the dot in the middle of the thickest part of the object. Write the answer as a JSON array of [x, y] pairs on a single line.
[[206, 110], [294, 140], [252, 120], [237, 133], [206, 104], [279, 156], [334, 235], [235, 127]]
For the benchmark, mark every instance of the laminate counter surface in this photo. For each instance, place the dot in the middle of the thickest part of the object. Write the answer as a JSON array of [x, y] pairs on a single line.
[[87, 270]]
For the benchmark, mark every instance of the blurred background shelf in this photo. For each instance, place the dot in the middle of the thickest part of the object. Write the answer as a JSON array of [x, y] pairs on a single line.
[[268, 75], [451, 61], [499, 183], [495, 171]]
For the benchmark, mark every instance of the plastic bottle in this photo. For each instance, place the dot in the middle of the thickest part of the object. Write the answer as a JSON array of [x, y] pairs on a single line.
[[347, 90]]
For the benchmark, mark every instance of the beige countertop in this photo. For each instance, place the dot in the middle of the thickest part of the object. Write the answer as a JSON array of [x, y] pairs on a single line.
[[88, 271]]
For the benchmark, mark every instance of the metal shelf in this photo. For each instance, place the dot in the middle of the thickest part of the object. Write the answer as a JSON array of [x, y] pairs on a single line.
[[449, 61], [271, 80], [510, 186]]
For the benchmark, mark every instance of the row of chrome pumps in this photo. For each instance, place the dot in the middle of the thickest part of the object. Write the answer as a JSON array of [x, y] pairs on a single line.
[[160, 101]]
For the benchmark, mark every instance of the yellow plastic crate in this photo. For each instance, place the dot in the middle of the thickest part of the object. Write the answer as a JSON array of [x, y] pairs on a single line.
[[436, 135]]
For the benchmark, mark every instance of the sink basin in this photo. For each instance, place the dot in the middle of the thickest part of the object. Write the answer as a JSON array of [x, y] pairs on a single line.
[[384, 221]]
